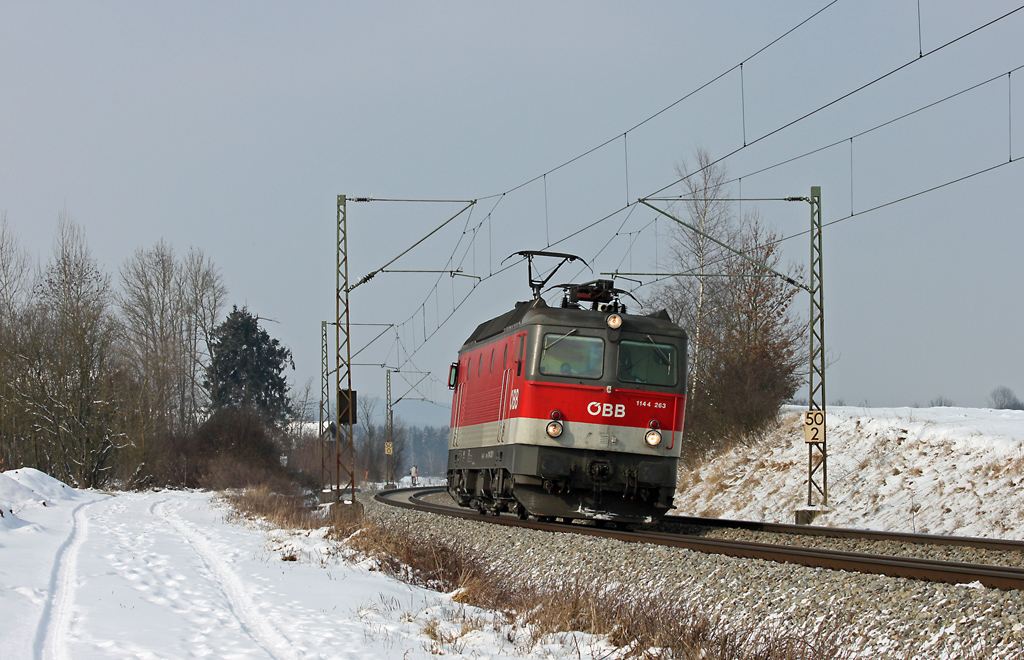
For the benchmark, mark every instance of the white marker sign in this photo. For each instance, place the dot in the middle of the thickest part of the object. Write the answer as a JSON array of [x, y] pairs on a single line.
[[814, 426]]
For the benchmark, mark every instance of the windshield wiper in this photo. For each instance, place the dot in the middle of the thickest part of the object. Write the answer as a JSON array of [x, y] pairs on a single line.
[[660, 352], [558, 339]]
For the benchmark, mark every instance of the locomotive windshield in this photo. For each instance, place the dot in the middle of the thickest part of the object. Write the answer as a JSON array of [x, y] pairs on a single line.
[[568, 355], [647, 362]]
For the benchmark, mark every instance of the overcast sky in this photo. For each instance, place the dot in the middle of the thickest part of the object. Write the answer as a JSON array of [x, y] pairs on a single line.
[[234, 126]]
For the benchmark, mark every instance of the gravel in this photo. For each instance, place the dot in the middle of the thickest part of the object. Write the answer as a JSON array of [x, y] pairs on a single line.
[[878, 616], [890, 548]]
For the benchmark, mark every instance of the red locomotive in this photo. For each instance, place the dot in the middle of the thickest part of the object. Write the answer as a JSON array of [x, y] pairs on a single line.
[[569, 412]]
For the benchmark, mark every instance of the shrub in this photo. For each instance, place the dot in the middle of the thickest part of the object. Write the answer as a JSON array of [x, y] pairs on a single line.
[[1003, 398], [234, 448]]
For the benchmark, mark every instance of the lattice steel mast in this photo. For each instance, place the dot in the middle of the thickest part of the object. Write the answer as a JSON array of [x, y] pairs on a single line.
[[389, 438], [816, 380], [345, 411], [325, 410]]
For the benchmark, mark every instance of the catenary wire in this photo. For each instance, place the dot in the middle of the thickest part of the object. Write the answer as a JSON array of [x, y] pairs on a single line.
[[670, 106], [500, 197]]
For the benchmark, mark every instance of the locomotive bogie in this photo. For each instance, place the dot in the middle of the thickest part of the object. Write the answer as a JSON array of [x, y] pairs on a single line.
[[567, 483]]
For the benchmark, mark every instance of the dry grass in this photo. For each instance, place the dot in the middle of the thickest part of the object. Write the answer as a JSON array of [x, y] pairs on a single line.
[[652, 626], [718, 472], [644, 626], [294, 510], [446, 567]]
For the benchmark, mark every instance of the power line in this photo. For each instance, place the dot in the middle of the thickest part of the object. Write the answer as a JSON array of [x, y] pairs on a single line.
[[500, 197], [852, 215], [874, 128], [669, 106], [841, 98]]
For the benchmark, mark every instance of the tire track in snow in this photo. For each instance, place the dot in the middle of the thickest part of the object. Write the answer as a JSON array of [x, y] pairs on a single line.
[[258, 627], [55, 622]]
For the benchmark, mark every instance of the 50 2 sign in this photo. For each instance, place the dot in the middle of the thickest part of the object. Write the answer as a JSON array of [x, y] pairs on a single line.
[[814, 426]]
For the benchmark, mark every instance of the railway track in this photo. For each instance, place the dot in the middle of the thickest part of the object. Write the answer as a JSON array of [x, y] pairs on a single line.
[[992, 576]]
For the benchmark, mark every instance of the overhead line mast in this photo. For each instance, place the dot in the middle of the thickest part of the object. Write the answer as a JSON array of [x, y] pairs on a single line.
[[816, 378], [326, 477], [344, 413]]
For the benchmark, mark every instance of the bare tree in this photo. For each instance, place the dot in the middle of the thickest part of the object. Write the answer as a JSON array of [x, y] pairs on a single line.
[[170, 308], [757, 356], [369, 449], [152, 308], [1003, 398], [744, 338], [204, 298], [15, 272], [69, 379], [371, 457], [15, 295], [305, 402], [698, 302], [82, 389]]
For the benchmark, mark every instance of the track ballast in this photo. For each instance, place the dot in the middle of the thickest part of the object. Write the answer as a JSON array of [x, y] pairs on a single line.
[[799, 544]]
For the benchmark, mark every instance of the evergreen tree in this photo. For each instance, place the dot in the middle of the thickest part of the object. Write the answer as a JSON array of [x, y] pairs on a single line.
[[247, 367]]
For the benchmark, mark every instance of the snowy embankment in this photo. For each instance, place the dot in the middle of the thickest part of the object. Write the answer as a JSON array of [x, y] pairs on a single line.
[[169, 575], [934, 470]]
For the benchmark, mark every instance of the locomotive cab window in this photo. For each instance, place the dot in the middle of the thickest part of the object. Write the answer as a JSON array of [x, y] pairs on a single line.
[[647, 362], [572, 356]]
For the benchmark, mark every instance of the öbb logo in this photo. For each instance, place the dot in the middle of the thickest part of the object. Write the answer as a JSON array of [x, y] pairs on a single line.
[[606, 409]]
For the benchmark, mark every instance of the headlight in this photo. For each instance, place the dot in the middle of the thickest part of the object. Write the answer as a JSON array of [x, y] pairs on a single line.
[[554, 428], [614, 321], [653, 438]]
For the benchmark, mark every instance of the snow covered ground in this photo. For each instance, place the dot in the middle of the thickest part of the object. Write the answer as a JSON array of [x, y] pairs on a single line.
[[170, 575], [935, 470], [167, 575]]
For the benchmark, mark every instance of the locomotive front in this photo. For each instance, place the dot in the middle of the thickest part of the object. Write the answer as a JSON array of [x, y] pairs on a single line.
[[584, 421]]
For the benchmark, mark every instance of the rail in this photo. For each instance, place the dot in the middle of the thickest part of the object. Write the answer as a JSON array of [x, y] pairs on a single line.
[[996, 577]]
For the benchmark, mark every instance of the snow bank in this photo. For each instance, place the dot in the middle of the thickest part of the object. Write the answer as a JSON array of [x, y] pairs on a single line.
[[13, 496], [28, 487], [935, 470], [13, 493], [43, 484]]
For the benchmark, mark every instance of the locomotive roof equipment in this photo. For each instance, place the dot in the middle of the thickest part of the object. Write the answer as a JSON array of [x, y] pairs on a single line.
[[538, 284]]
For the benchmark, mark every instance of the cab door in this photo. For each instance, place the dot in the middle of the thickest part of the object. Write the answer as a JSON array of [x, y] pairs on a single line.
[[460, 388], [505, 395]]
